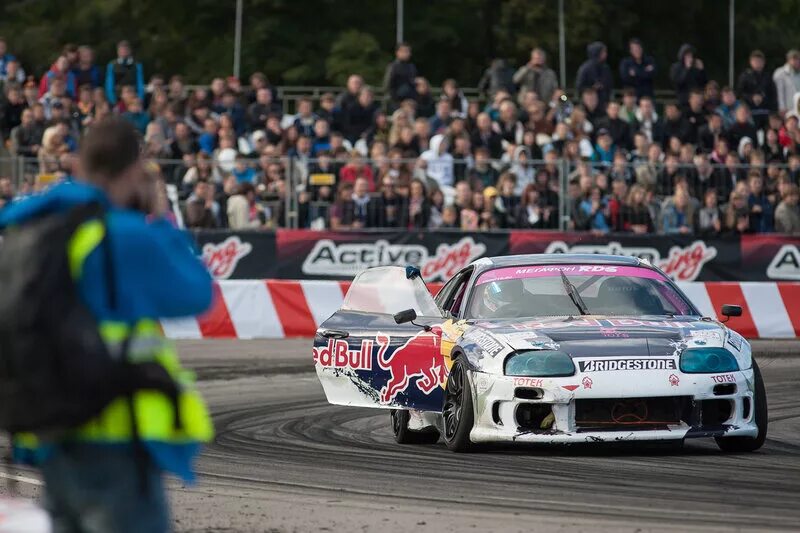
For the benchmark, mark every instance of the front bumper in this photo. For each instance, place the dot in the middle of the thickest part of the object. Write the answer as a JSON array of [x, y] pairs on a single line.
[[647, 405]]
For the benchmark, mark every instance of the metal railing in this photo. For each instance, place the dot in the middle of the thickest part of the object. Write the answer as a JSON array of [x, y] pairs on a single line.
[[640, 196], [289, 95]]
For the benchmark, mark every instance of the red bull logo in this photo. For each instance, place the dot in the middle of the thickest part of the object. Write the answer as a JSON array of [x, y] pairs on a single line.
[[337, 354], [419, 358]]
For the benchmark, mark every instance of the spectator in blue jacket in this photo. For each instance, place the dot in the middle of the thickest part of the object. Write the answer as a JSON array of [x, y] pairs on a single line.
[[5, 57], [229, 105], [136, 115], [762, 212], [595, 73], [85, 70], [124, 70], [638, 70]]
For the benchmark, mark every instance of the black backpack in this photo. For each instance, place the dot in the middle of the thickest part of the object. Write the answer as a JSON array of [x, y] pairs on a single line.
[[56, 372]]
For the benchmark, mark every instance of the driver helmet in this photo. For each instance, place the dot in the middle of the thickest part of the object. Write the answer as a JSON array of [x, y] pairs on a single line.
[[500, 293]]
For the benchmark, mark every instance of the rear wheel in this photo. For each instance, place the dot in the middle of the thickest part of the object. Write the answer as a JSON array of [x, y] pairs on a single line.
[[457, 414], [403, 435], [751, 444]]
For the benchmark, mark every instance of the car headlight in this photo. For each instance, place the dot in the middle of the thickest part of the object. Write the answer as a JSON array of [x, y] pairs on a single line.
[[539, 364], [707, 361]]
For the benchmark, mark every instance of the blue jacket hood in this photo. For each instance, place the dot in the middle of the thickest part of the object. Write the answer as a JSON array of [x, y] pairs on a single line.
[[60, 198]]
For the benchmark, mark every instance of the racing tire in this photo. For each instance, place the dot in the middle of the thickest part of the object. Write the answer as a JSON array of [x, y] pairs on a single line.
[[750, 444], [403, 435], [458, 415]]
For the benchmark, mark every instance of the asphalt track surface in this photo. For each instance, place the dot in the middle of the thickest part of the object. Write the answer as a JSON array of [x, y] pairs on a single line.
[[284, 460]]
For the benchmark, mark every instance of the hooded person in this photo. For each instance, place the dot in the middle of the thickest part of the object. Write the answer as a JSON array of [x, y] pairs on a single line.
[[439, 162], [595, 72], [687, 73]]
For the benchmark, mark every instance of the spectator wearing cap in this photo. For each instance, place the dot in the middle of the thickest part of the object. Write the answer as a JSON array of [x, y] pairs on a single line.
[[85, 70], [122, 71], [687, 73], [787, 81], [59, 70], [757, 89], [595, 73], [399, 82], [638, 70], [535, 76], [604, 147]]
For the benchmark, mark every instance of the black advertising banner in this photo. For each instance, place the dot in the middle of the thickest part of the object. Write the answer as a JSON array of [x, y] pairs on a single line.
[[240, 255], [308, 254], [767, 257], [304, 254]]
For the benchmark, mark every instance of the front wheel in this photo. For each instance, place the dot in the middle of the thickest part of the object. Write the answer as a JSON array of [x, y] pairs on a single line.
[[457, 413], [403, 435], [751, 444]]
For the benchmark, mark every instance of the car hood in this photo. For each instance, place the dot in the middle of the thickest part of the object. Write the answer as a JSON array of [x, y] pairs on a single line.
[[594, 336]]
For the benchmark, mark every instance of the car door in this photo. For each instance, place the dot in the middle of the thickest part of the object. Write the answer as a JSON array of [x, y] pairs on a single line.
[[364, 358]]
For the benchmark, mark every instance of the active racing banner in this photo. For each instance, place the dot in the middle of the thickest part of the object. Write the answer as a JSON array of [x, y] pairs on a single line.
[[339, 255]]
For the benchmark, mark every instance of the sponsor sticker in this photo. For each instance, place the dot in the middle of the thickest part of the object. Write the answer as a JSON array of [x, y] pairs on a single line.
[[680, 263], [735, 340], [610, 365], [337, 354], [485, 341], [587, 382], [724, 378], [221, 259], [674, 380], [528, 382]]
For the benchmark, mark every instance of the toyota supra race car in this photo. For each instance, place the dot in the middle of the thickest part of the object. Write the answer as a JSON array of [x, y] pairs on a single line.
[[541, 349]]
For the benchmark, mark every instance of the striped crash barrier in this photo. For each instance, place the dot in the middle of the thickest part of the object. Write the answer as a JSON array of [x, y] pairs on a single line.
[[276, 309]]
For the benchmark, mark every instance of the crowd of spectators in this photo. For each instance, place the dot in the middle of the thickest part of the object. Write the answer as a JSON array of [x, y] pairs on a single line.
[[526, 154]]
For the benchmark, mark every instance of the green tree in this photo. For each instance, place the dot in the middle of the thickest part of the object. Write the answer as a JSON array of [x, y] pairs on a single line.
[[355, 52]]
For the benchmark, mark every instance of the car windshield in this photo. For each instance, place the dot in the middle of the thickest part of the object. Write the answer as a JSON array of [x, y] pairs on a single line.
[[569, 290], [388, 290]]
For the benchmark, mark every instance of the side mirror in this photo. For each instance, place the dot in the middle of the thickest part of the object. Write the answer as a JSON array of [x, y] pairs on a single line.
[[409, 315], [729, 310]]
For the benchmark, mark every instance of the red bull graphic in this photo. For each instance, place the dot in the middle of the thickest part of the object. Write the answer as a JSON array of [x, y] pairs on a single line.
[[337, 354], [420, 358]]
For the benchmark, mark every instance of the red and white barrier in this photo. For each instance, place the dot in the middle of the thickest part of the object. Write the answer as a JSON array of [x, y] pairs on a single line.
[[279, 309]]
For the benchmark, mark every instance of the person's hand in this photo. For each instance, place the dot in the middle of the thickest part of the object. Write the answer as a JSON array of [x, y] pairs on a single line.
[[649, 68], [698, 64], [358, 224], [632, 73], [639, 228], [756, 209], [717, 225], [684, 229], [595, 206]]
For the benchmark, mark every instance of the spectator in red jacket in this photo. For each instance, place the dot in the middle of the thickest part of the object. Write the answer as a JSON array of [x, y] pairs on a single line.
[[58, 70], [356, 168]]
